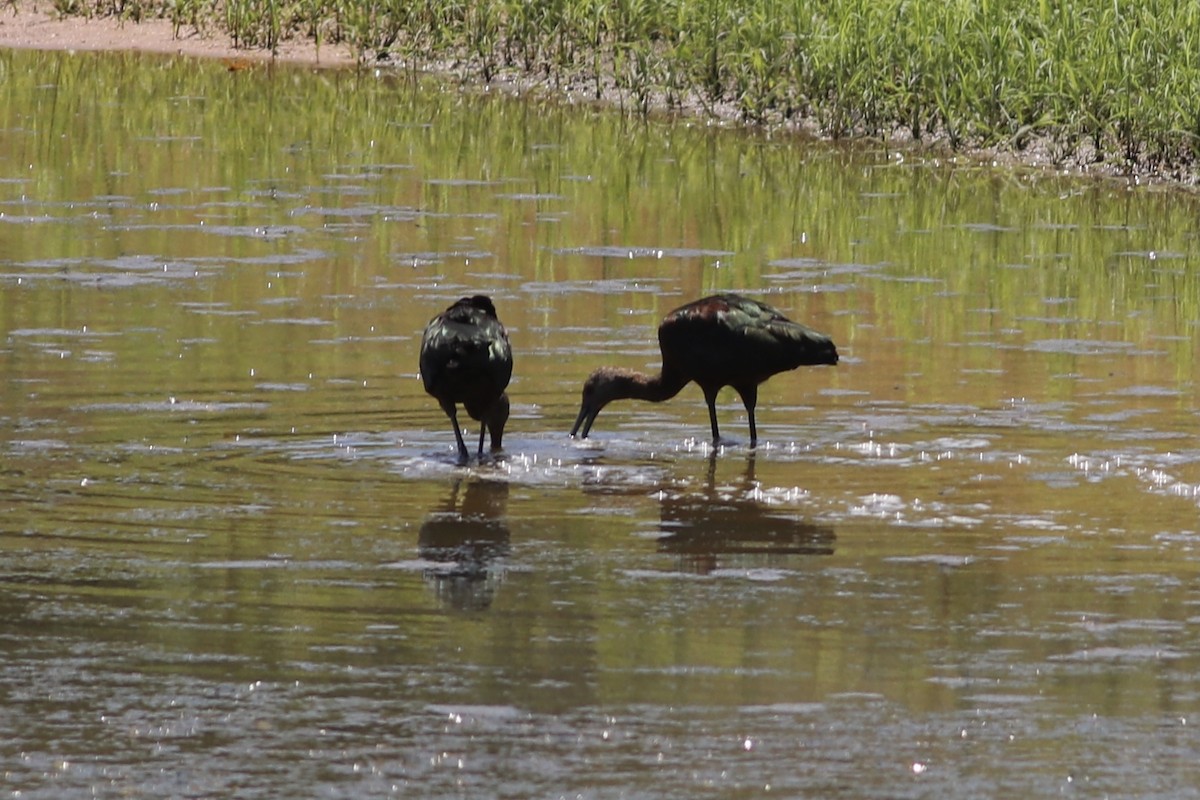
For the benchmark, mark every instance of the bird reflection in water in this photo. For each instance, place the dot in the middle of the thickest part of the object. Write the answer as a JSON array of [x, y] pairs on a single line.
[[728, 524], [462, 539]]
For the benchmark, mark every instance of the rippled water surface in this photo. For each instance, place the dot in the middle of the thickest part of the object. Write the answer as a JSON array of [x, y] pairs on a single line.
[[238, 556]]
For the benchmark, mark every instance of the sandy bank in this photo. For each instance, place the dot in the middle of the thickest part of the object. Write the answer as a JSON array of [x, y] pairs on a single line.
[[37, 26]]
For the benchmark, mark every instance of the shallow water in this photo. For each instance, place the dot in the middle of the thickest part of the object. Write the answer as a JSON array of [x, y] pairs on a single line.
[[238, 553]]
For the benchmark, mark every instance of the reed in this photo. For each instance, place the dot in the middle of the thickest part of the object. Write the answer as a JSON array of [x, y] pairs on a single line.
[[1083, 79]]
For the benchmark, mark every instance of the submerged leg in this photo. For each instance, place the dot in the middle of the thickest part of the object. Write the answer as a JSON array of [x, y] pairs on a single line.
[[452, 413], [496, 419], [750, 400], [710, 397]]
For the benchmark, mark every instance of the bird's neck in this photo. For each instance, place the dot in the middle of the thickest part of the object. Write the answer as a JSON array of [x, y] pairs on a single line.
[[654, 388]]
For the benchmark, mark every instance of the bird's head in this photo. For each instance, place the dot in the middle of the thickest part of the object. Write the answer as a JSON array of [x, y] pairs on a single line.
[[481, 302], [826, 352], [602, 387]]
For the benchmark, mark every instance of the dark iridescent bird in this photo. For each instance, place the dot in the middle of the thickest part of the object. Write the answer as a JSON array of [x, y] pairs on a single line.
[[466, 358], [722, 340]]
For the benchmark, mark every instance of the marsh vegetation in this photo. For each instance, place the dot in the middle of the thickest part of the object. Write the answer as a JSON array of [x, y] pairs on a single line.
[[1091, 83]]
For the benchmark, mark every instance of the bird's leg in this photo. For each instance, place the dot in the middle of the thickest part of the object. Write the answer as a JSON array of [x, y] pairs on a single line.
[[710, 397], [750, 400], [495, 419], [452, 413]]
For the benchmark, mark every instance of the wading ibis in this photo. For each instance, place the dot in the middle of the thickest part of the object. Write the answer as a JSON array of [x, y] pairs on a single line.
[[466, 358], [722, 340]]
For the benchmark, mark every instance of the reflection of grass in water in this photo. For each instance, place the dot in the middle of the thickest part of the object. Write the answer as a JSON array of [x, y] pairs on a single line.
[[946, 254], [1112, 78]]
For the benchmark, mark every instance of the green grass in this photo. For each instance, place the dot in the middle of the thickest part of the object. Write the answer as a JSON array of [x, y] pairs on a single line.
[[1111, 80]]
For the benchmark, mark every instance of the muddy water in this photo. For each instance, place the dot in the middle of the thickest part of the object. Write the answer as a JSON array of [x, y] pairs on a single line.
[[238, 555]]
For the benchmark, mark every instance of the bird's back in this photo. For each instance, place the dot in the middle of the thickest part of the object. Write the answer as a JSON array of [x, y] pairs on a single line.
[[465, 354], [728, 339]]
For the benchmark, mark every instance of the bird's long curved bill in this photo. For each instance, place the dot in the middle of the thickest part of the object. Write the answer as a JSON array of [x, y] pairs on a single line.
[[585, 419]]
